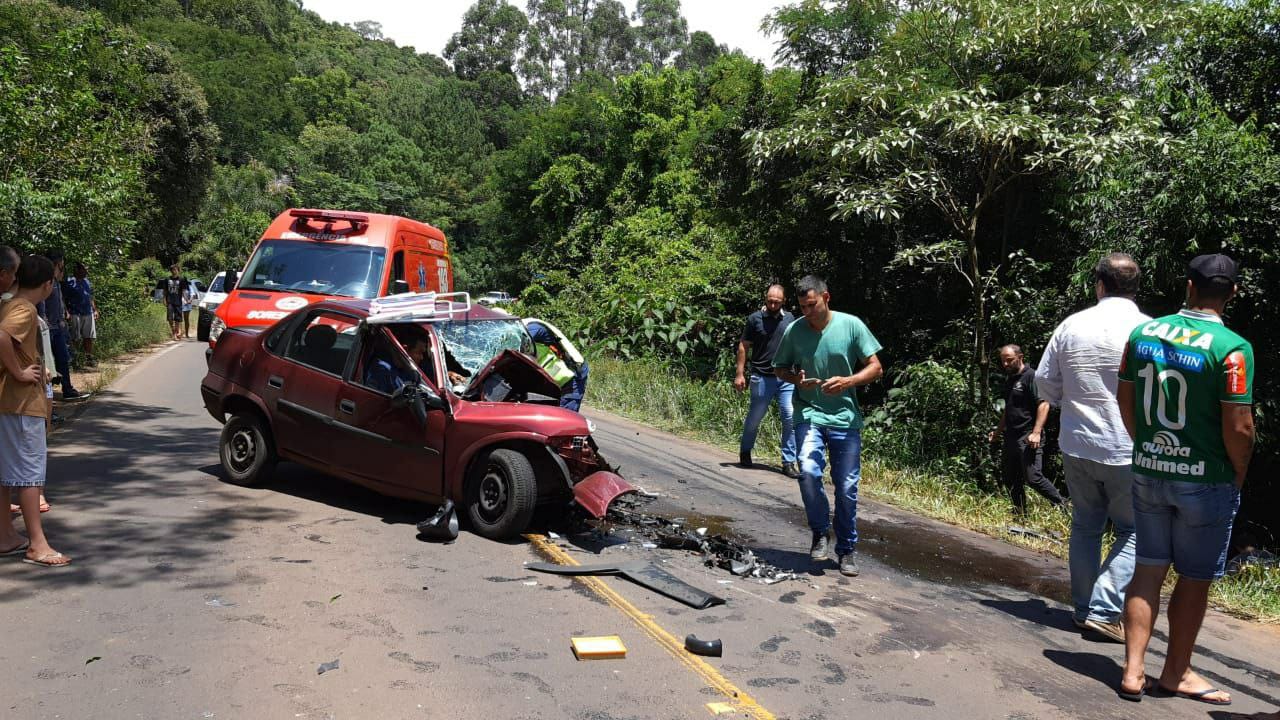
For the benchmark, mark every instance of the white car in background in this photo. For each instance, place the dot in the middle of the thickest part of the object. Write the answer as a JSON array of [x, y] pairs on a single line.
[[208, 303], [494, 298]]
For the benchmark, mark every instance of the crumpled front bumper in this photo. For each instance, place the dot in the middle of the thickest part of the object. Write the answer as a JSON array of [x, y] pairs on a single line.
[[598, 490]]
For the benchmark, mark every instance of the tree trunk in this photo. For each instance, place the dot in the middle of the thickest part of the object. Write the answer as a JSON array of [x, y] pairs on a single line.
[[981, 364]]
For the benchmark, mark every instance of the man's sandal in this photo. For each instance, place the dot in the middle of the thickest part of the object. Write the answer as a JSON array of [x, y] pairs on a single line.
[[1201, 696], [53, 559]]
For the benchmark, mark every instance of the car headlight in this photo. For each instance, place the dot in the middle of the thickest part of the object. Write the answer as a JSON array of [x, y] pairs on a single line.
[[215, 328], [211, 306]]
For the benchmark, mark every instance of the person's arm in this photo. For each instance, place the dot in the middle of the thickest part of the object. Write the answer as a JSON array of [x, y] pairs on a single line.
[[1049, 373], [740, 379], [9, 359], [1042, 415], [870, 371], [1238, 437], [1124, 396]]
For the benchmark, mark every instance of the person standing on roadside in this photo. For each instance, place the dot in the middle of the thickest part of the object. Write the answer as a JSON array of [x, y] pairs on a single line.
[[760, 338], [826, 357], [1186, 397], [78, 292], [8, 270], [1021, 432], [54, 312], [1079, 372], [176, 291], [24, 406]]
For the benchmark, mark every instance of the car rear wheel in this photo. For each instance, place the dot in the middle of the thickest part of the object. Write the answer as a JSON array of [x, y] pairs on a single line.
[[504, 494], [245, 448]]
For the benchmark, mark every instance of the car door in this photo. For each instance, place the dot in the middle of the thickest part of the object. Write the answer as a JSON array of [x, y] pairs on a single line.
[[382, 443], [305, 382]]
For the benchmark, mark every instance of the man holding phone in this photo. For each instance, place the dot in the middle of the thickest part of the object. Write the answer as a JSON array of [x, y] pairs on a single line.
[[826, 357]]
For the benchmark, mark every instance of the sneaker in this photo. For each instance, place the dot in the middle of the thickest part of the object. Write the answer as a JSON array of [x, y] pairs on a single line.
[[744, 459], [818, 550], [848, 565], [1111, 631], [790, 470], [55, 419], [73, 395]]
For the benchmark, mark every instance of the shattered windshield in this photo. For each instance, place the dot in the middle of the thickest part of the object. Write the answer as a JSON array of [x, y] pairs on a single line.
[[474, 343], [313, 267]]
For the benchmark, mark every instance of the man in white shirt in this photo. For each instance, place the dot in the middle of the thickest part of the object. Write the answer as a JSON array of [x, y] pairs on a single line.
[[1079, 373]]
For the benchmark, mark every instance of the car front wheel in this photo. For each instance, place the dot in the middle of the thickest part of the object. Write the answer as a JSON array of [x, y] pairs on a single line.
[[503, 495], [245, 448]]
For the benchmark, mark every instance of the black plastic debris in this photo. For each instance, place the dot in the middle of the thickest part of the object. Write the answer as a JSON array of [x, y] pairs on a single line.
[[717, 550], [643, 574], [709, 648], [326, 667], [441, 526]]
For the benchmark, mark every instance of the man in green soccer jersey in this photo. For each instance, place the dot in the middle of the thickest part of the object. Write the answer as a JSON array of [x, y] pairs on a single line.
[[1186, 397]]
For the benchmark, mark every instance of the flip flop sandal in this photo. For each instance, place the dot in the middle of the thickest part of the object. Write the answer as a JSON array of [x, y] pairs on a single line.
[[48, 560], [1134, 696], [21, 548], [1197, 696]]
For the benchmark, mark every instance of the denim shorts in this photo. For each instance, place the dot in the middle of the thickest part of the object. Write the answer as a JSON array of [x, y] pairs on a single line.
[[1187, 524], [22, 451]]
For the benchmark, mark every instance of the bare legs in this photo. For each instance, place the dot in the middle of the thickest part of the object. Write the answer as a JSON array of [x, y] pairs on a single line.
[[29, 501], [1186, 613]]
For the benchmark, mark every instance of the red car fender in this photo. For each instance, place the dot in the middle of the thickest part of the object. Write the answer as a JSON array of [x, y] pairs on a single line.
[[457, 474], [239, 392]]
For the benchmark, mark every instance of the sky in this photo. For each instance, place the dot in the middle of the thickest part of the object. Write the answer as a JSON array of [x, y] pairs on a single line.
[[427, 24]]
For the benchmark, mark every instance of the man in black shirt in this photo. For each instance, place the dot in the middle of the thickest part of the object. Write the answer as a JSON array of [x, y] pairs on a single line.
[[1021, 432], [760, 338], [176, 291]]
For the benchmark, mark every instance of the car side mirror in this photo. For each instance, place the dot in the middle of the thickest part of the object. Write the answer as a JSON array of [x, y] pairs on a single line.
[[229, 281], [399, 286]]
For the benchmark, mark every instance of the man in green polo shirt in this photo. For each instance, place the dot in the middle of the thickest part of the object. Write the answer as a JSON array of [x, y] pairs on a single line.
[[1186, 398], [826, 357]]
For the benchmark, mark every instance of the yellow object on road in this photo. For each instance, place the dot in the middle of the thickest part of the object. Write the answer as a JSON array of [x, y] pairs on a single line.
[[604, 647]]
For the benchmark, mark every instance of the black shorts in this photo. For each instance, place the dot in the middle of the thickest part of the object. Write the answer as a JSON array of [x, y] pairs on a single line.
[[175, 312]]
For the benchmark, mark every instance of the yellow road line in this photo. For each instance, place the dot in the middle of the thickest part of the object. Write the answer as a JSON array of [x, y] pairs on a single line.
[[666, 640]]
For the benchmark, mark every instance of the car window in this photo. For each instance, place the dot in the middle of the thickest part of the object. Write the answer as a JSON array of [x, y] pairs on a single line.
[[316, 268], [474, 343], [323, 341], [384, 367], [216, 285]]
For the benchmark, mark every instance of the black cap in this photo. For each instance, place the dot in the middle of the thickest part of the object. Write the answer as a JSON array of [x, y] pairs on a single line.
[[1204, 268]]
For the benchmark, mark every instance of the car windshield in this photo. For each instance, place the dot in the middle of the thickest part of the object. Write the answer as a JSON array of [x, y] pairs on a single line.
[[216, 285], [314, 268], [474, 343]]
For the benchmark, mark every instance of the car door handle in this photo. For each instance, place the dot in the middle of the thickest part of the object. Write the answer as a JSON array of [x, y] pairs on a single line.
[[347, 407], [275, 382]]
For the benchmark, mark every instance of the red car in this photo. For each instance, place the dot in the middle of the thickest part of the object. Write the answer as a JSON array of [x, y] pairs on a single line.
[[418, 397]]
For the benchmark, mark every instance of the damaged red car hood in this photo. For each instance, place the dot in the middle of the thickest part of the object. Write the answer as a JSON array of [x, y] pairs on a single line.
[[519, 371]]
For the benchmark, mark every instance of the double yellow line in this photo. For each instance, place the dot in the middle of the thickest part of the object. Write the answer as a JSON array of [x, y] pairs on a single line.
[[675, 647]]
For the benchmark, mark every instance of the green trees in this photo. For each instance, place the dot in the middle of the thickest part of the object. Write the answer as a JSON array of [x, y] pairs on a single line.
[[963, 100]]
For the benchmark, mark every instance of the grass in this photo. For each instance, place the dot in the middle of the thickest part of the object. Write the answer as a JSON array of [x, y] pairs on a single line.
[[711, 411]]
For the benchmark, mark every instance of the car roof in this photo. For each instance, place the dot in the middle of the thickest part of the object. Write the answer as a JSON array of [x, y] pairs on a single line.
[[361, 307]]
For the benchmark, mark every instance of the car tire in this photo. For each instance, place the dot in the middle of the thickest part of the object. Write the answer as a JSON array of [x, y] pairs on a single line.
[[504, 494], [203, 323], [246, 450]]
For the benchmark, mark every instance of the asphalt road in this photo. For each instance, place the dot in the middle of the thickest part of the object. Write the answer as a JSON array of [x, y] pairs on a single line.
[[191, 598]]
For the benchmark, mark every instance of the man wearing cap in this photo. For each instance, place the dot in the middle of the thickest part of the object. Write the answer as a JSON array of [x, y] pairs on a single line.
[[1186, 398]]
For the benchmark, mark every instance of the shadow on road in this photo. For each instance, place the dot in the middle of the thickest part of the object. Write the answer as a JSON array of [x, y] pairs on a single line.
[[123, 506], [1102, 668]]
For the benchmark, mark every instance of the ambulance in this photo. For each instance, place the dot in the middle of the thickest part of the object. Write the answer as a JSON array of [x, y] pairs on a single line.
[[308, 255]]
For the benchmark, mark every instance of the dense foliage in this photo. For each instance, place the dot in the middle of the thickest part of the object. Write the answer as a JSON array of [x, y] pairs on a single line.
[[954, 167]]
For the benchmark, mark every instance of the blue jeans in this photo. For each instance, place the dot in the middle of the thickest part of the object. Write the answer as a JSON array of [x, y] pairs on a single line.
[[763, 389], [61, 356], [845, 447], [1184, 523], [571, 397], [1098, 493]]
